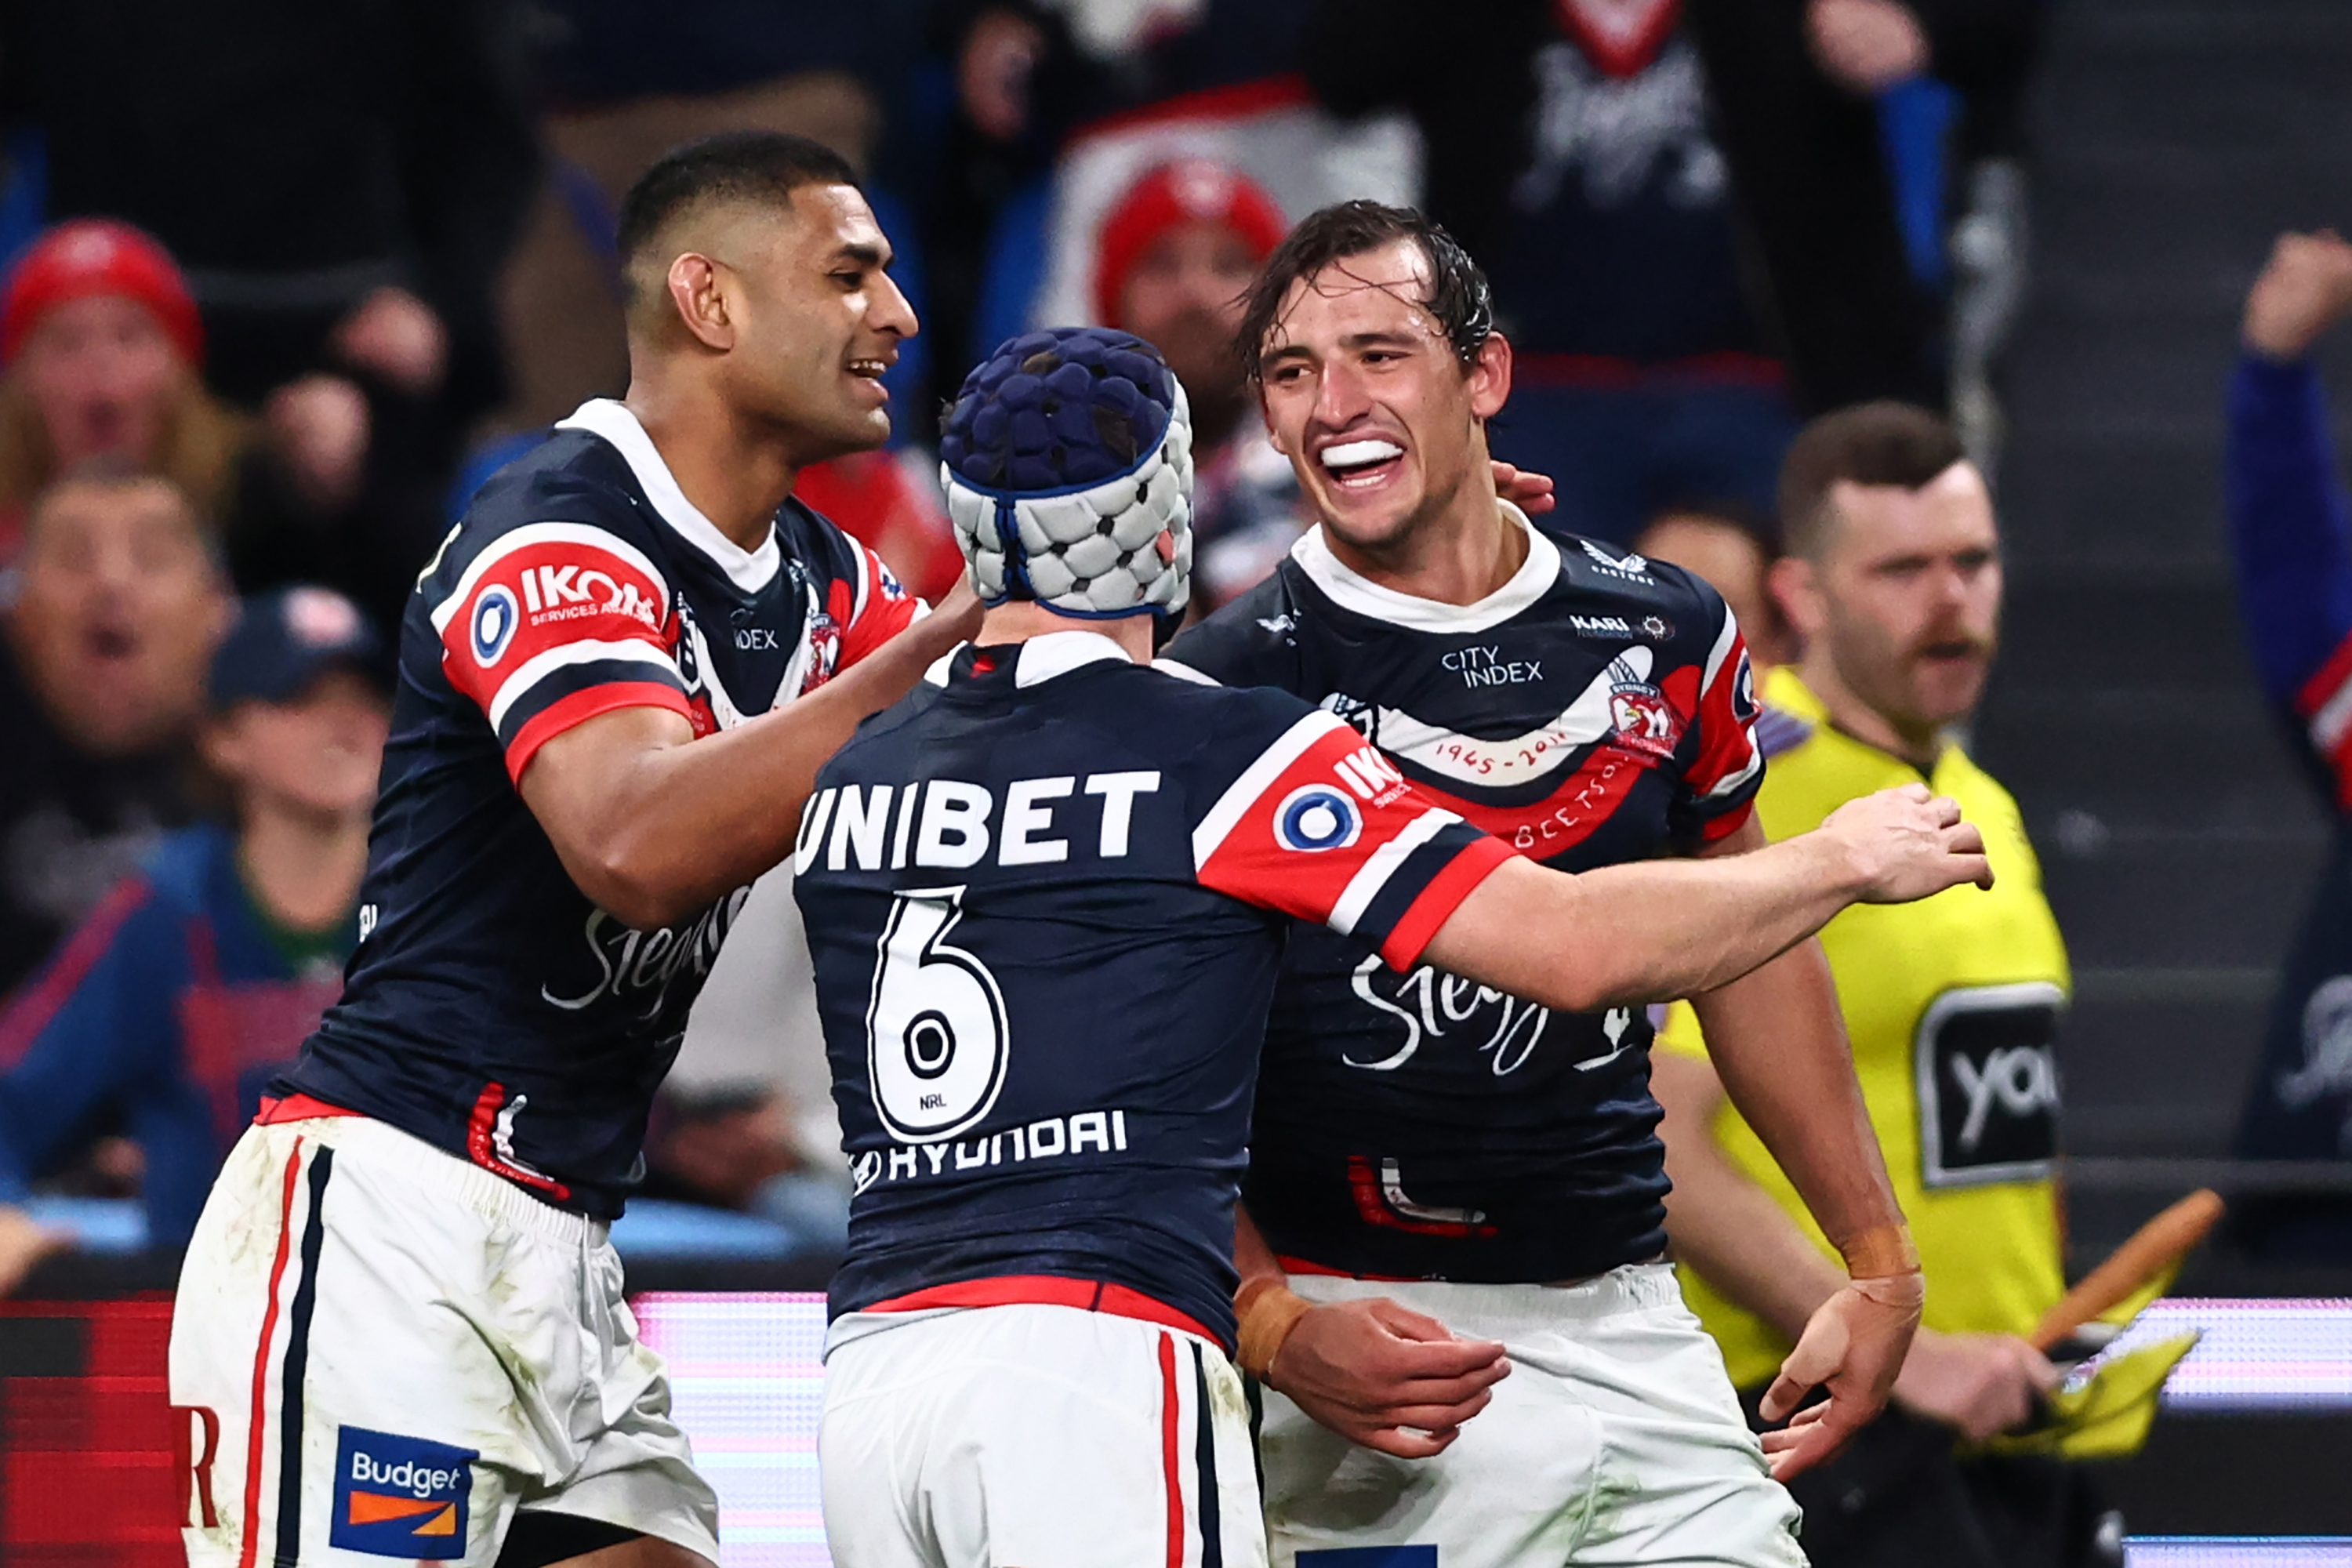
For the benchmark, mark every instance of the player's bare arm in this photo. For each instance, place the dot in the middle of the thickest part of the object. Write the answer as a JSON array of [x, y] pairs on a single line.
[[652, 823], [1376, 1373], [1634, 934], [1779, 1043], [1745, 1246]]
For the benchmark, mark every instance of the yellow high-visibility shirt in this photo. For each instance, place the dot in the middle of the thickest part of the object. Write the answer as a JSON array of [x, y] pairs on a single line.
[[1952, 1005]]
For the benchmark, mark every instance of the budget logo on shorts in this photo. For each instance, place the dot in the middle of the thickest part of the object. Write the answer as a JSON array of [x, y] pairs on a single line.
[[400, 1497], [495, 616], [1317, 817]]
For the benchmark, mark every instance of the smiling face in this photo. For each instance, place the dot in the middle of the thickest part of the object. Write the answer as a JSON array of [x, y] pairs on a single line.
[[1363, 392], [1903, 596], [117, 608], [102, 372], [811, 318]]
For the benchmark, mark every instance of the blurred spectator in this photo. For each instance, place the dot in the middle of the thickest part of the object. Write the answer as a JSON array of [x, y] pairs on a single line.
[[1641, 377], [1178, 251], [1733, 553], [103, 348], [2290, 531], [202, 974], [342, 183], [118, 603], [738, 1146], [880, 502]]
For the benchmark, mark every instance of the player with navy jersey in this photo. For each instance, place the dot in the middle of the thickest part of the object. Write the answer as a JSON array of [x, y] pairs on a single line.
[[1436, 1155], [1047, 901], [400, 1329]]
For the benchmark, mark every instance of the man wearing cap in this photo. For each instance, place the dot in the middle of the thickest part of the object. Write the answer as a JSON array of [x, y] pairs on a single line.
[[1178, 252], [200, 975]]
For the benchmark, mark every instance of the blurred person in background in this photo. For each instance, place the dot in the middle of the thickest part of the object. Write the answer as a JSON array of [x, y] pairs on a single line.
[[1733, 551], [1178, 253], [2291, 533], [104, 352], [1575, 151], [342, 183], [1893, 587], [202, 972], [118, 603]]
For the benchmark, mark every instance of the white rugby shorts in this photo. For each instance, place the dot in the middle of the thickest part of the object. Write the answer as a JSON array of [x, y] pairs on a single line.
[[381, 1351], [1615, 1441], [1042, 1437]]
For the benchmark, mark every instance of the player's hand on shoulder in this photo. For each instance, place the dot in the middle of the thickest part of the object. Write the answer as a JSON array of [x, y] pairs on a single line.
[[23, 1244], [1853, 1347], [1387, 1377], [1905, 844], [1531, 493], [2304, 288], [1978, 1385]]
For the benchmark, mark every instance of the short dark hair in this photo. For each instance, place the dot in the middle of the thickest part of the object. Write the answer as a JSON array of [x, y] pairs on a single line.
[[1882, 443], [735, 165], [1459, 295]]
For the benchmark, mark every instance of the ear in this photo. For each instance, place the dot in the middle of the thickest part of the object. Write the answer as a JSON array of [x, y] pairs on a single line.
[[697, 291], [1490, 376], [1796, 589]]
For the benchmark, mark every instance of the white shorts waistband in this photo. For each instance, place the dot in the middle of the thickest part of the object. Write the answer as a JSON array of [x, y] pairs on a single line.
[[386, 1147]]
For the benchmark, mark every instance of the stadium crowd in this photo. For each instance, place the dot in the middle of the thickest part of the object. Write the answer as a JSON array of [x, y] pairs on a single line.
[[258, 348]]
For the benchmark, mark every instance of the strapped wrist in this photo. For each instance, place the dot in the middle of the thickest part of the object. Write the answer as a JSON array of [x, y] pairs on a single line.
[[1881, 1252], [1265, 1309]]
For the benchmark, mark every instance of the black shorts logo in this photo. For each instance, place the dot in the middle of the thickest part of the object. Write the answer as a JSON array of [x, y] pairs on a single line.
[[1987, 1071]]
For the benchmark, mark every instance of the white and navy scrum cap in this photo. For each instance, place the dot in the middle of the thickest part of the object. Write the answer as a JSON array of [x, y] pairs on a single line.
[[1068, 459]]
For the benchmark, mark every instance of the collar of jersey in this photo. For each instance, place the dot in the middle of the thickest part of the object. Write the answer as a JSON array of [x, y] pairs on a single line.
[[1535, 576], [1057, 652], [611, 421]]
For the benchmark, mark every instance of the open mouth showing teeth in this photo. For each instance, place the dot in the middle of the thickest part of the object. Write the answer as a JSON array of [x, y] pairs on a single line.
[[872, 369], [1357, 463]]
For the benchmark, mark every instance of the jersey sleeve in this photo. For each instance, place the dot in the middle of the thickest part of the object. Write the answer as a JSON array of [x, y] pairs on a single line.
[[549, 625], [2291, 532], [1718, 787], [870, 605], [1321, 826]]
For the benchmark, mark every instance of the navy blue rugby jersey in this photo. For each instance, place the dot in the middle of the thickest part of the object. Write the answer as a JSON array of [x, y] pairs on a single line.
[[491, 1009], [1595, 710], [1046, 904]]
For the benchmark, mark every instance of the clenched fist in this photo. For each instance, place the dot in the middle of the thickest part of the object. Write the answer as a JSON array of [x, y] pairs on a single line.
[[1906, 844]]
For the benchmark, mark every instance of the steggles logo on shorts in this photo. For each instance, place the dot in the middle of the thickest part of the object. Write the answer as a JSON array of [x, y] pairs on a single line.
[[400, 1497]]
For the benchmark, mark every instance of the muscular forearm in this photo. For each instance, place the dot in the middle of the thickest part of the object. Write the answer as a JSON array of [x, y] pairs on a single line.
[[1778, 1045], [653, 829], [1641, 933], [1723, 1225]]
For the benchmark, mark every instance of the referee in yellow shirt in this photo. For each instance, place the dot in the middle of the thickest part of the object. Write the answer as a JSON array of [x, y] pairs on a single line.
[[1893, 586]]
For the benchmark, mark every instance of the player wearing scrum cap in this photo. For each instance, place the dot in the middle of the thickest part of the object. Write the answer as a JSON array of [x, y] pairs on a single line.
[[1456, 1177], [1047, 900], [400, 1329]]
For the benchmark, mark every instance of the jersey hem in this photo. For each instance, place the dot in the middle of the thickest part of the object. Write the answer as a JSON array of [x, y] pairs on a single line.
[[1049, 1290]]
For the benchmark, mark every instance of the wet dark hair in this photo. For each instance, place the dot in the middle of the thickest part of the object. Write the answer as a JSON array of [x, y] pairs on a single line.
[[1881, 443], [736, 165], [1459, 296]]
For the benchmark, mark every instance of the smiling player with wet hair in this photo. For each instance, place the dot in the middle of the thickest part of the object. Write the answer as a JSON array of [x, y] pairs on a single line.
[[1451, 1176], [1047, 901]]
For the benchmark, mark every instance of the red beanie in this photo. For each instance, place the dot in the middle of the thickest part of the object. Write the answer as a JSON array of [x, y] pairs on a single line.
[[97, 256], [1193, 190]]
